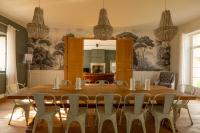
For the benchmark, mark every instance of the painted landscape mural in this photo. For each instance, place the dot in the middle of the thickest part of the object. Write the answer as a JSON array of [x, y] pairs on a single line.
[[149, 54]]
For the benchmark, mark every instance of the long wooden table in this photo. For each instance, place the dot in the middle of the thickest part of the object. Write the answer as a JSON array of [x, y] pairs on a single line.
[[92, 90]]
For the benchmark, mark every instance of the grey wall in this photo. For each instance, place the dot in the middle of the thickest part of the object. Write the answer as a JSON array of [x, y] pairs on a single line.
[[99, 56], [21, 39]]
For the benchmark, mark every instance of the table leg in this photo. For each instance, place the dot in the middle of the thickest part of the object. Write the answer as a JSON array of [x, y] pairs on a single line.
[[30, 126]]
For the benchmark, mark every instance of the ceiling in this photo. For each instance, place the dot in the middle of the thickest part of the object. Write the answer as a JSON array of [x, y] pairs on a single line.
[[84, 13]]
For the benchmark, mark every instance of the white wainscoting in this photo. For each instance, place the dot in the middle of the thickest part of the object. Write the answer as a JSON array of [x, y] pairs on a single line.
[[142, 75], [38, 77]]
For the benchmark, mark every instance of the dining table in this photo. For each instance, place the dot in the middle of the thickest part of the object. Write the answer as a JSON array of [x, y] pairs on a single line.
[[91, 90]]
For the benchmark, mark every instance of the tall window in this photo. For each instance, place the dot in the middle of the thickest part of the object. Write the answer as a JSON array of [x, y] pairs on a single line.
[[195, 61], [2, 53]]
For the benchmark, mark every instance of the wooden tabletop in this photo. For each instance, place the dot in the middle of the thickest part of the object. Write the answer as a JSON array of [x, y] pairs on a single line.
[[93, 89]]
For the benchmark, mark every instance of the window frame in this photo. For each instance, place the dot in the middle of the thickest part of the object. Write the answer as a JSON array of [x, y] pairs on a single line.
[[192, 47], [4, 35]]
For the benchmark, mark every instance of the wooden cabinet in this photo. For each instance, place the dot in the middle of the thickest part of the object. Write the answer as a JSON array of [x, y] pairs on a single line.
[[73, 59], [74, 54]]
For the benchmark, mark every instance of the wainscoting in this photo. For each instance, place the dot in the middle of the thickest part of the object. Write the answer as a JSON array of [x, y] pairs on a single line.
[[37, 77]]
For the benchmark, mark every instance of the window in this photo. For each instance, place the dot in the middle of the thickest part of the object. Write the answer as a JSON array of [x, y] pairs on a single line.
[[2, 53], [195, 61]]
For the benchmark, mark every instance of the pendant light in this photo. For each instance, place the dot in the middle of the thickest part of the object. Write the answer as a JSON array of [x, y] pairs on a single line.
[[166, 30], [37, 29], [103, 30]]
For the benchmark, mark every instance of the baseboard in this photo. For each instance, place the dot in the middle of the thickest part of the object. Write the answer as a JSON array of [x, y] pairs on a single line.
[[3, 99]]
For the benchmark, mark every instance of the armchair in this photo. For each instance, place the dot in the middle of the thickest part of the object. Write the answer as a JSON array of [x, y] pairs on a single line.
[[166, 79]]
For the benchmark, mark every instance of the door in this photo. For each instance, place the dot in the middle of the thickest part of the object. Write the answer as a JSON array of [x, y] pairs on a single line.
[[73, 59], [124, 59]]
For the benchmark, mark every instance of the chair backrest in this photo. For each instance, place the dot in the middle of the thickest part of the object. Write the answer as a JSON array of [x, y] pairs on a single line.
[[101, 82], [186, 88], [168, 101], [135, 101], [83, 82], [66, 83], [108, 101], [166, 77], [74, 101], [120, 82], [12, 88], [40, 101]]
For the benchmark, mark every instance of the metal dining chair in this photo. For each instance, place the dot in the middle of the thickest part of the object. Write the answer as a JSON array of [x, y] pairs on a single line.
[[161, 112], [108, 110], [120, 82], [183, 104], [66, 83], [101, 82], [74, 112], [44, 112], [25, 104], [133, 109]]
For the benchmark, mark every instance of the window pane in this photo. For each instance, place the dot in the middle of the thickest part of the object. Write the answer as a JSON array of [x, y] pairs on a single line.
[[196, 62], [196, 52], [196, 82], [2, 52], [196, 40], [196, 73]]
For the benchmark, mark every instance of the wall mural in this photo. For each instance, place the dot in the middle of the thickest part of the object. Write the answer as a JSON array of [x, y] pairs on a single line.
[[149, 55]]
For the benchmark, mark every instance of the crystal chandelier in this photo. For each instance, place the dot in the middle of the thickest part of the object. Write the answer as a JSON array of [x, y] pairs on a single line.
[[103, 30], [37, 29], [166, 30]]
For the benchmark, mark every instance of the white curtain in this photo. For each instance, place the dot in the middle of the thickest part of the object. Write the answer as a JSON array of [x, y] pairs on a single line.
[[185, 57], [11, 69]]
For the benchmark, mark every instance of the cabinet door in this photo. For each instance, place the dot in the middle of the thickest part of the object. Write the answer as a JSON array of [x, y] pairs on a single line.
[[124, 59], [73, 59]]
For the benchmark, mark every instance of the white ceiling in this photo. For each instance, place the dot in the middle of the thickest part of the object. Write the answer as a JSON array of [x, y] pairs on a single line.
[[90, 44], [84, 13]]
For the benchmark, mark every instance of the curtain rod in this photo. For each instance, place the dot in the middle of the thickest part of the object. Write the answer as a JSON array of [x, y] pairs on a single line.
[[7, 25]]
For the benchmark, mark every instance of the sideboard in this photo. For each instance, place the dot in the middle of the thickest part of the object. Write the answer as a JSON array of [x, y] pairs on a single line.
[[92, 77]]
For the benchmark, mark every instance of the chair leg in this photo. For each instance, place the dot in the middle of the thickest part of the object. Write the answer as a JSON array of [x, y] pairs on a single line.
[[11, 115], [100, 124], [67, 126], [157, 125], [35, 124], [189, 116], [115, 125], [128, 126], [50, 125], [120, 119], [27, 110], [143, 125], [60, 118], [172, 125], [82, 124]]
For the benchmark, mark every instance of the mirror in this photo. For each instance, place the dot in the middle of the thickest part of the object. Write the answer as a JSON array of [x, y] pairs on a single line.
[[99, 60]]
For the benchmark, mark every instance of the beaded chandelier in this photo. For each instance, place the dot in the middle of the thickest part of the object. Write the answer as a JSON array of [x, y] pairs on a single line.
[[37, 29], [166, 31], [103, 30]]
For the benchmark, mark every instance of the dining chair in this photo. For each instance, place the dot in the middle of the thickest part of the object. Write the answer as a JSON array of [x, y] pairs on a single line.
[[74, 112], [162, 111], [111, 103], [120, 82], [133, 109], [66, 83], [187, 89], [45, 112], [24, 104], [101, 82]]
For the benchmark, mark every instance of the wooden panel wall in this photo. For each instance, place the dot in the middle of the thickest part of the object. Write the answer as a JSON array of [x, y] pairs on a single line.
[[124, 59], [73, 58]]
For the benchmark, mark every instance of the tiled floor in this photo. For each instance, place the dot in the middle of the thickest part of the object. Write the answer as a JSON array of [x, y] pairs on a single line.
[[18, 122]]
